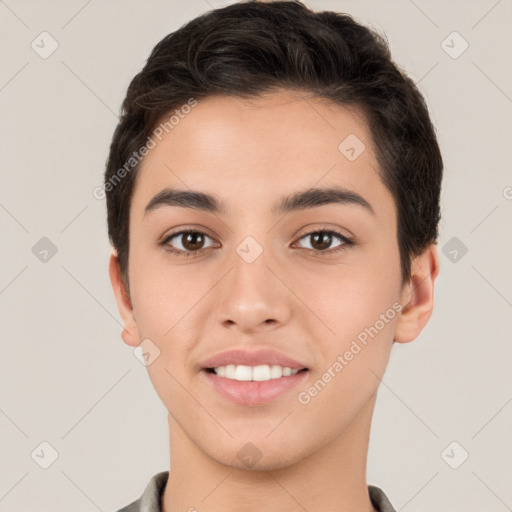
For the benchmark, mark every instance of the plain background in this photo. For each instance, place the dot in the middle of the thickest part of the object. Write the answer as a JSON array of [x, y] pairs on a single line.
[[66, 376]]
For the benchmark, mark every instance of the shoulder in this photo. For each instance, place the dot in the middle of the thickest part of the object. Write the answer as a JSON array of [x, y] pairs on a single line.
[[379, 499], [132, 507], [150, 499]]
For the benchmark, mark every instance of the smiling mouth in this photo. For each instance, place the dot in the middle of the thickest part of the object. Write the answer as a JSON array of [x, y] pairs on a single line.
[[260, 373], [254, 385]]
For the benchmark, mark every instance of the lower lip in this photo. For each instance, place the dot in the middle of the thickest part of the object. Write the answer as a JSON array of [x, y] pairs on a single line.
[[254, 392]]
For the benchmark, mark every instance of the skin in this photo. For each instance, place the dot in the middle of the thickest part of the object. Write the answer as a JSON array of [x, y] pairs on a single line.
[[249, 154]]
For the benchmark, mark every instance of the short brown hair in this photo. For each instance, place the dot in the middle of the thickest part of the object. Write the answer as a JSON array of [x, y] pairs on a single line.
[[250, 48]]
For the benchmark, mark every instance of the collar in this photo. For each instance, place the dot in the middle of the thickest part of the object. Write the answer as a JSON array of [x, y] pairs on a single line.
[[152, 495]]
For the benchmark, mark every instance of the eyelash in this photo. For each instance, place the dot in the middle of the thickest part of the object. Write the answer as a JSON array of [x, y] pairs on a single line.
[[347, 243]]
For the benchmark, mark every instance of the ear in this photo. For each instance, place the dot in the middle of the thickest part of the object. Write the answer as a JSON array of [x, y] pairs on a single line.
[[418, 296], [130, 333]]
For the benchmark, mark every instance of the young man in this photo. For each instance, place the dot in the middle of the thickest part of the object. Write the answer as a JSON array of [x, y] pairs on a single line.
[[273, 203]]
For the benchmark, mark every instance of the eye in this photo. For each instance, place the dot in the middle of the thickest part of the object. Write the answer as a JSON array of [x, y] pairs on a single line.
[[186, 242], [321, 241]]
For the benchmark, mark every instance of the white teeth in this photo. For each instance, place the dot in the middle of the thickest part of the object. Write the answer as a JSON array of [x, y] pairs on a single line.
[[261, 372], [257, 373], [276, 371], [230, 371], [243, 372]]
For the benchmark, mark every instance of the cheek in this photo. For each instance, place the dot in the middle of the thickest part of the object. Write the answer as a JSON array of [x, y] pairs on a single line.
[[159, 296], [351, 299], [358, 308]]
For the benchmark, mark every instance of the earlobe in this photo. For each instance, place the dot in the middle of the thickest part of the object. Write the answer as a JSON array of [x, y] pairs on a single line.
[[130, 334], [418, 296]]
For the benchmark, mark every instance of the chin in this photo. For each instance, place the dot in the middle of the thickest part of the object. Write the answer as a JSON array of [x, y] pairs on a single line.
[[259, 453]]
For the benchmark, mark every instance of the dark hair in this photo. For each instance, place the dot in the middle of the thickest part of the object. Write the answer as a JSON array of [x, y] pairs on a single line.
[[250, 48]]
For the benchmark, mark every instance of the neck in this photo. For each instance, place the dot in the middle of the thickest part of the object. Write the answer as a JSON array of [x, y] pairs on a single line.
[[332, 478]]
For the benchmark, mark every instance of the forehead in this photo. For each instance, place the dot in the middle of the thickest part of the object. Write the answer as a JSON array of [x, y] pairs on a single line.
[[258, 149]]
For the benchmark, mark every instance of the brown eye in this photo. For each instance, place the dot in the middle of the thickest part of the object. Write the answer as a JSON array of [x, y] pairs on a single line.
[[186, 242], [321, 242], [192, 241]]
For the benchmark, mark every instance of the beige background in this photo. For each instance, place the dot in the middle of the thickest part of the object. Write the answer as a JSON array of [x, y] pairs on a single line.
[[66, 376]]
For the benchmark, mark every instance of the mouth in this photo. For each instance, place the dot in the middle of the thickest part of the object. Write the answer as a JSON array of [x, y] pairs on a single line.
[[260, 373], [253, 385]]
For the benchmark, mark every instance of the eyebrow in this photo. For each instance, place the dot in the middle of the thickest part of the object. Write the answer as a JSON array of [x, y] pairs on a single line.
[[310, 198]]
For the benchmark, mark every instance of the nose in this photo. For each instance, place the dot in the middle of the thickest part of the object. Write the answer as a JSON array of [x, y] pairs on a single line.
[[253, 297]]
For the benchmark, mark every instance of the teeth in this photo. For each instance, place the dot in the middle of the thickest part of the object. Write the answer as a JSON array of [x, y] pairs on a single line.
[[257, 373]]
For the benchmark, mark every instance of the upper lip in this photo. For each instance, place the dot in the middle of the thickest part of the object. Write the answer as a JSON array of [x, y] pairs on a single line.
[[255, 357]]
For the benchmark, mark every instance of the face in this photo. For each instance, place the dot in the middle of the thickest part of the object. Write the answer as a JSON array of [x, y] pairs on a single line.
[[315, 278]]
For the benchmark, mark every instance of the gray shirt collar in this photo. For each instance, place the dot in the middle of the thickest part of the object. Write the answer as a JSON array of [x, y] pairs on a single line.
[[151, 497]]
